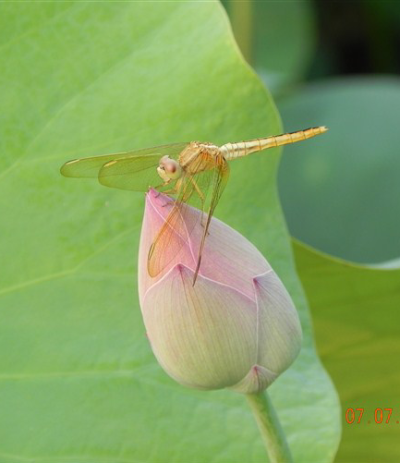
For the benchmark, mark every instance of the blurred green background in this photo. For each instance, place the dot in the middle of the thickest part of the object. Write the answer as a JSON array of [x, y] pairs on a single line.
[[337, 64]]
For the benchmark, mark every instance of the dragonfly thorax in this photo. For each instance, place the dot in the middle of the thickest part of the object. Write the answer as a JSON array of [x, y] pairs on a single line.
[[169, 169], [198, 157]]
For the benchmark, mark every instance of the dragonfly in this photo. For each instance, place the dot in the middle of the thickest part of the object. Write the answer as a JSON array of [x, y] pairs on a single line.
[[194, 174]]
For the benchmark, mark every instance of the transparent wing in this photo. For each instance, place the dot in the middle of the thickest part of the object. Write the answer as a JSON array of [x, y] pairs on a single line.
[[221, 176], [135, 173], [134, 170], [181, 220]]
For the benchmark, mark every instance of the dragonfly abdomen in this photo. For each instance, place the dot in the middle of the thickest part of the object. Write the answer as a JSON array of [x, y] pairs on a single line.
[[237, 150]]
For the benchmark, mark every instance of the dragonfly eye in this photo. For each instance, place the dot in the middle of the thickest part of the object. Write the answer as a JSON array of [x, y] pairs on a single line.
[[171, 167]]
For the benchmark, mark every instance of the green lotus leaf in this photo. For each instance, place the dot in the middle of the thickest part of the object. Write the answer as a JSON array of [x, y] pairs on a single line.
[[78, 380]]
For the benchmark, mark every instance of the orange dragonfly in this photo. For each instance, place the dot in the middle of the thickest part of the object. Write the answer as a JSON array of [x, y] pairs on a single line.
[[195, 173]]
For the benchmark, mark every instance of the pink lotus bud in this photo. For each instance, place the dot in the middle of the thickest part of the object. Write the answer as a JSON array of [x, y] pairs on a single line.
[[235, 328]]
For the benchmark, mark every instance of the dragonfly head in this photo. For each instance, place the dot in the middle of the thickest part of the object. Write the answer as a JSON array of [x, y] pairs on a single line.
[[169, 169]]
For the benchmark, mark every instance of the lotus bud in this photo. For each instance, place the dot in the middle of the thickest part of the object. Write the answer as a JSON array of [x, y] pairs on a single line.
[[235, 328]]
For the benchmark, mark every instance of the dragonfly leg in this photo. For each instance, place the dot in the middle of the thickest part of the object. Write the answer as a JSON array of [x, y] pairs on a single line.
[[196, 187], [171, 191], [202, 199], [161, 186]]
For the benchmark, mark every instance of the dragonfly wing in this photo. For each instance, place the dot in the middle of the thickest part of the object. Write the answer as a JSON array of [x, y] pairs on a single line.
[[137, 168], [135, 173], [174, 233], [221, 176], [181, 221]]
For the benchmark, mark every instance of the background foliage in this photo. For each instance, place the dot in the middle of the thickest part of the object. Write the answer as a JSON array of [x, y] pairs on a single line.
[[340, 192], [355, 314], [78, 381]]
